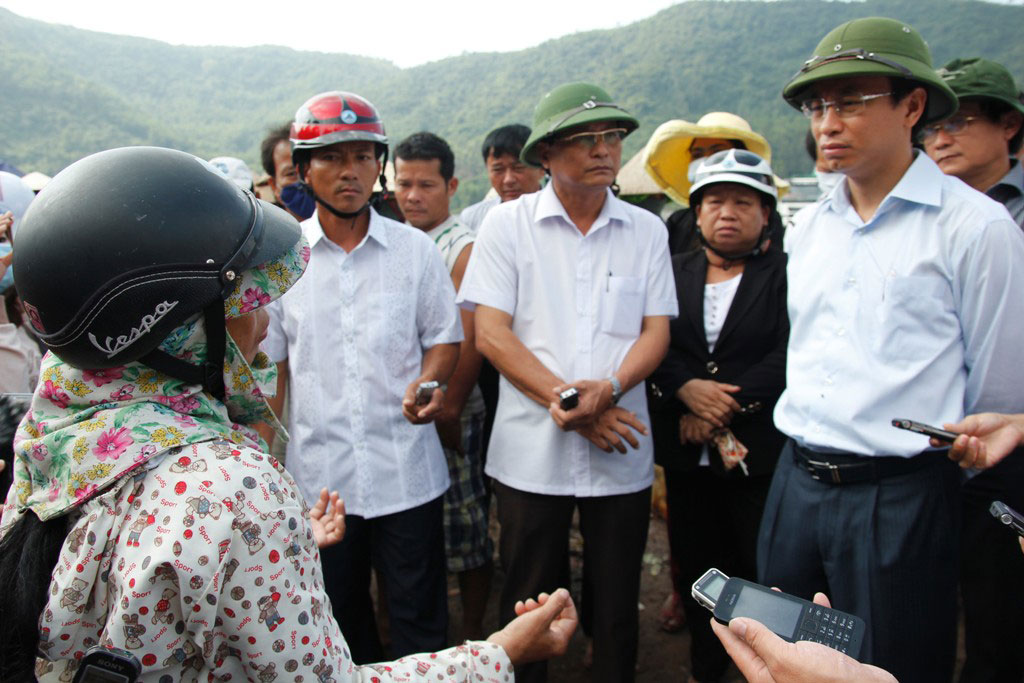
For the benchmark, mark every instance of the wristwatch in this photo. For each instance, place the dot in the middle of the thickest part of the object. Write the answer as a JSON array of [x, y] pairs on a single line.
[[616, 389]]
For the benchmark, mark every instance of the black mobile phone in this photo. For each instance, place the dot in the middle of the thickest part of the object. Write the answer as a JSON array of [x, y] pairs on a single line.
[[569, 399], [1008, 516], [927, 430], [108, 665], [789, 617], [425, 392]]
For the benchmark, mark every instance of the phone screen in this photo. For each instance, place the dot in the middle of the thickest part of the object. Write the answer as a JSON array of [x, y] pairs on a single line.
[[774, 611]]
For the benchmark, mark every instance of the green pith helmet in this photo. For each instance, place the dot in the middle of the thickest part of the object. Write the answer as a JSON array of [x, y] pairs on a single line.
[[977, 78], [570, 105], [875, 46]]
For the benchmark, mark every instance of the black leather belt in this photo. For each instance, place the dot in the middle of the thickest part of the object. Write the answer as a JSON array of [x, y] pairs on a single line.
[[843, 468]]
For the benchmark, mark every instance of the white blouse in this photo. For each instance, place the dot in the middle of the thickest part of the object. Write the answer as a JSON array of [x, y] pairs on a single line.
[[718, 298]]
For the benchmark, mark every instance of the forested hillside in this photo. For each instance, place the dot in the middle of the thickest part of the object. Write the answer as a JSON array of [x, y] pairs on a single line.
[[66, 92]]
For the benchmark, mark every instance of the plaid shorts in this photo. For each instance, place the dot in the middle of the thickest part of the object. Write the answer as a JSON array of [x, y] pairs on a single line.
[[466, 542]]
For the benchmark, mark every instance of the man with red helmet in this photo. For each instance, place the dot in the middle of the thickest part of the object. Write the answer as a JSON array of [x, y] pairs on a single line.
[[375, 319]]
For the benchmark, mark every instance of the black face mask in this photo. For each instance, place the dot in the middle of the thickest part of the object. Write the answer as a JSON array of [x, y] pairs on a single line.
[[297, 198]]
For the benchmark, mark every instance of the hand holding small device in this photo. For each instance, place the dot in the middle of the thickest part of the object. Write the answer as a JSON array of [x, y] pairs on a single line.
[[580, 403], [569, 399], [921, 428], [425, 392], [985, 439], [422, 402], [764, 657], [791, 618]]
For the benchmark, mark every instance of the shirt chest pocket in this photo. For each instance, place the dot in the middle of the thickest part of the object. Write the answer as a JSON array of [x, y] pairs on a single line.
[[391, 330], [622, 306], [917, 318]]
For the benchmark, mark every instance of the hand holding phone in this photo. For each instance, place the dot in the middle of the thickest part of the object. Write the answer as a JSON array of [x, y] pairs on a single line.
[[789, 617], [425, 391], [569, 399], [927, 430]]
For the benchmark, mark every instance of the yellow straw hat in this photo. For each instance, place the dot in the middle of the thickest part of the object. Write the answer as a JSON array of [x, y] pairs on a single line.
[[667, 155]]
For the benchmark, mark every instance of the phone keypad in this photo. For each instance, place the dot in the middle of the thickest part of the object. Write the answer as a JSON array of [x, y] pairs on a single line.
[[823, 625]]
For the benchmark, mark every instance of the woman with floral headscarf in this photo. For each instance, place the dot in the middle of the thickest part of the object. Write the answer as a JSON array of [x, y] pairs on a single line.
[[144, 514]]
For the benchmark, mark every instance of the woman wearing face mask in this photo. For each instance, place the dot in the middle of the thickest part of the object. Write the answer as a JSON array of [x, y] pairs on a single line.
[[676, 149], [713, 395], [144, 515]]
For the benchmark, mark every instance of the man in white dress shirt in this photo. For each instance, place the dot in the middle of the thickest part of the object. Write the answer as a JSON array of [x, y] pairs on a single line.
[[904, 302], [573, 288], [374, 318]]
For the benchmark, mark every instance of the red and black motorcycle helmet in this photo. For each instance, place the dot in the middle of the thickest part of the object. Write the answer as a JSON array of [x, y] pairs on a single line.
[[332, 117], [336, 116]]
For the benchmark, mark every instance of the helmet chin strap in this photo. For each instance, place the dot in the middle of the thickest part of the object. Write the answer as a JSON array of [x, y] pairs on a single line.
[[756, 251], [339, 214], [209, 375]]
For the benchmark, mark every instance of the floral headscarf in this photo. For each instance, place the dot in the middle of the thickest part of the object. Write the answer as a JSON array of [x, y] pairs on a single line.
[[87, 429]]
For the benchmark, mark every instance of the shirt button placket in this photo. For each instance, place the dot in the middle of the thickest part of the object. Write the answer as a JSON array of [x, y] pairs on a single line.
[[355, 394], [586, 312]]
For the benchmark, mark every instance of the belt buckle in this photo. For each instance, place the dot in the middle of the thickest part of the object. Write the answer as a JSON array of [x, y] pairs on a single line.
[[832, 469]]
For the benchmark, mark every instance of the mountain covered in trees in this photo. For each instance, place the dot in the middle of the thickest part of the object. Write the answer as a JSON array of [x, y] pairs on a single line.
[[66, 92]]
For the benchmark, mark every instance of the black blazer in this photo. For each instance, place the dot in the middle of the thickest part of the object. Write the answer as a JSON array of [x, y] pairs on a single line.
[[750, 352]]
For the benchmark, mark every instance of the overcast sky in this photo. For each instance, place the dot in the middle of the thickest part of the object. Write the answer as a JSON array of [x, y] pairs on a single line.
[[406, 32]]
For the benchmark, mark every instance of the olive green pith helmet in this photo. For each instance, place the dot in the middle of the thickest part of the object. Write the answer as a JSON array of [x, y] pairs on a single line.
[[875, 46], [571, 105], [983, 79]]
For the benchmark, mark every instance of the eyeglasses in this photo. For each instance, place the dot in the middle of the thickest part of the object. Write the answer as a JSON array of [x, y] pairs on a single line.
[[844, 107], [589, 139], [953, 126]]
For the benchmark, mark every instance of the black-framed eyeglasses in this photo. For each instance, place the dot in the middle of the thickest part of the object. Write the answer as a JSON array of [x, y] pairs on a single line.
[[589, 139], [857, 53], [953, 126], [844, 106]]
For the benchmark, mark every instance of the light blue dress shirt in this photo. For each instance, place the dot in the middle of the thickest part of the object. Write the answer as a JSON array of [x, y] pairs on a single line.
[[917, 313]]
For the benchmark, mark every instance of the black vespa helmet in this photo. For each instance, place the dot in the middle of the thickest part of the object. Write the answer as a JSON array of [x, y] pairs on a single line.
[[126, 245]]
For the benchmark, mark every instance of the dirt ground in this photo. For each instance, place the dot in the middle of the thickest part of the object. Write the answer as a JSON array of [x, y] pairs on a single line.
[[662, 656]]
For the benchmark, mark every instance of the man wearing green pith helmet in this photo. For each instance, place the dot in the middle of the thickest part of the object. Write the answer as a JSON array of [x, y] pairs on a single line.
[[573, 289], [898, 303]]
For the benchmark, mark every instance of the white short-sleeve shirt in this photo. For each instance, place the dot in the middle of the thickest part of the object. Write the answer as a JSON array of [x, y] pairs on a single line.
[[577, 302], [354, 330]]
